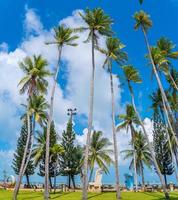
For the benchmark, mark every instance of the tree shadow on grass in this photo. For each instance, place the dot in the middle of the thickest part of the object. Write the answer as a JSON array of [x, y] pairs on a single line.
[[60, 194], [95, 195], [159, 196]]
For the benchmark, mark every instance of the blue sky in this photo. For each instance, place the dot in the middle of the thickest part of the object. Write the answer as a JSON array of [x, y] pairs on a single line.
[[20, 36]]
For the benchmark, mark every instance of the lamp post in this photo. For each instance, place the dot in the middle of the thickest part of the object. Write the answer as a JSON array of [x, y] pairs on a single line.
[[71, 112]]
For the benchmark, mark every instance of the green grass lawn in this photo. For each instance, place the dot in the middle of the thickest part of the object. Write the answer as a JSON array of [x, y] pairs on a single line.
[[7, 195]]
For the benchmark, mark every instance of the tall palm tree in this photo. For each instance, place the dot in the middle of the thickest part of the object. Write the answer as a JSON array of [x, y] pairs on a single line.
[[99, 152], [144, 22], [63, 37], [113, 52], [97, 23], [34, 82], [132, 75], [37, 109], [129, 120], [56, 151], [160, 60], [166, 48], [142, 155]]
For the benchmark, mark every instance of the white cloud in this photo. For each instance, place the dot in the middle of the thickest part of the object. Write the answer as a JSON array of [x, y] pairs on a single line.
[[78, 67], [32, 22], [4, 47]]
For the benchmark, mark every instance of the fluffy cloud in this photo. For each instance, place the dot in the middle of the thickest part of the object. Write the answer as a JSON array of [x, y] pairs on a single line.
[[77, 64]]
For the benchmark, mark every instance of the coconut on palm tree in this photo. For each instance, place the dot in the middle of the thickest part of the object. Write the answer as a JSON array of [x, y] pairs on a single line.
[[63, 37], [129, 121], [34, 82], [97, 24], [132, 76], [113, 52], [99, 153], [142, 155]]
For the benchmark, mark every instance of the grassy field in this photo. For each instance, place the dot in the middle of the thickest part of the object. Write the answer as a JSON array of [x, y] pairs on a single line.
[[7, 195]]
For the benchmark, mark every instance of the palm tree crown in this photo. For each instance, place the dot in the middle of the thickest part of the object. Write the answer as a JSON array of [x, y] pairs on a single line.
[[142, 20], [63, 36], [97, 22], [35, 73]]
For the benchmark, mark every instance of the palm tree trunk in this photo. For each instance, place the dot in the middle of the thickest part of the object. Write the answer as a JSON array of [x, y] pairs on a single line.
[[165, 179], [46, 186], [55, 172], [157, 77], [115, 140], [73, 181], [31, 148], [90, 123], [142, 174], [149, 145], [170, 144], [134, 158], [173, 81], [28, 181], [135, 171], [17, 185]]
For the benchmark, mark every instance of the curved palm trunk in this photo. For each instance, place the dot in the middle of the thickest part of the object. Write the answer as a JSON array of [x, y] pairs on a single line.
[[173, 81], [134, 158], [170, 144], [46, 186], [17, 185], [31, 148], [168, 108], [149, 145], [115, 141], [90, 122]]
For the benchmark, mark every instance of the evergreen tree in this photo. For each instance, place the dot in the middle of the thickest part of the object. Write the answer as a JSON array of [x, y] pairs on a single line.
[[161, 147], [70, 163], [53, 141], [18, 155]]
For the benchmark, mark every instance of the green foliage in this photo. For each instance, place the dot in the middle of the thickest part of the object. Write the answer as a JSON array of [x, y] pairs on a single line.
[[142, 20], [161, 147], [100, 152], [97, 22], [35, 73], [18, 155], [40, 148], [70, 162]]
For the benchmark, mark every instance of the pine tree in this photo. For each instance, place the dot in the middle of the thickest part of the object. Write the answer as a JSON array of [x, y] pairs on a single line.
[[53, 141], [70, 163], [18, 155], [161, 147]]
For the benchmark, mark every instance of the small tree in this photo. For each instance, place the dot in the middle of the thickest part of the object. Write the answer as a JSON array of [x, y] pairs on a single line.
[[18, 155], [161, 148], [70, 163]]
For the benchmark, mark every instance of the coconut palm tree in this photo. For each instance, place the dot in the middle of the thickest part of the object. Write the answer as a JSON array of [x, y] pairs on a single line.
[[142, 155], [34, 82], [132, 76], [144, 22], [98, 24], [56, 151], [37, 109], [113, 52], [129, 120], [63, 37], [166, 47], [100, 152]]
